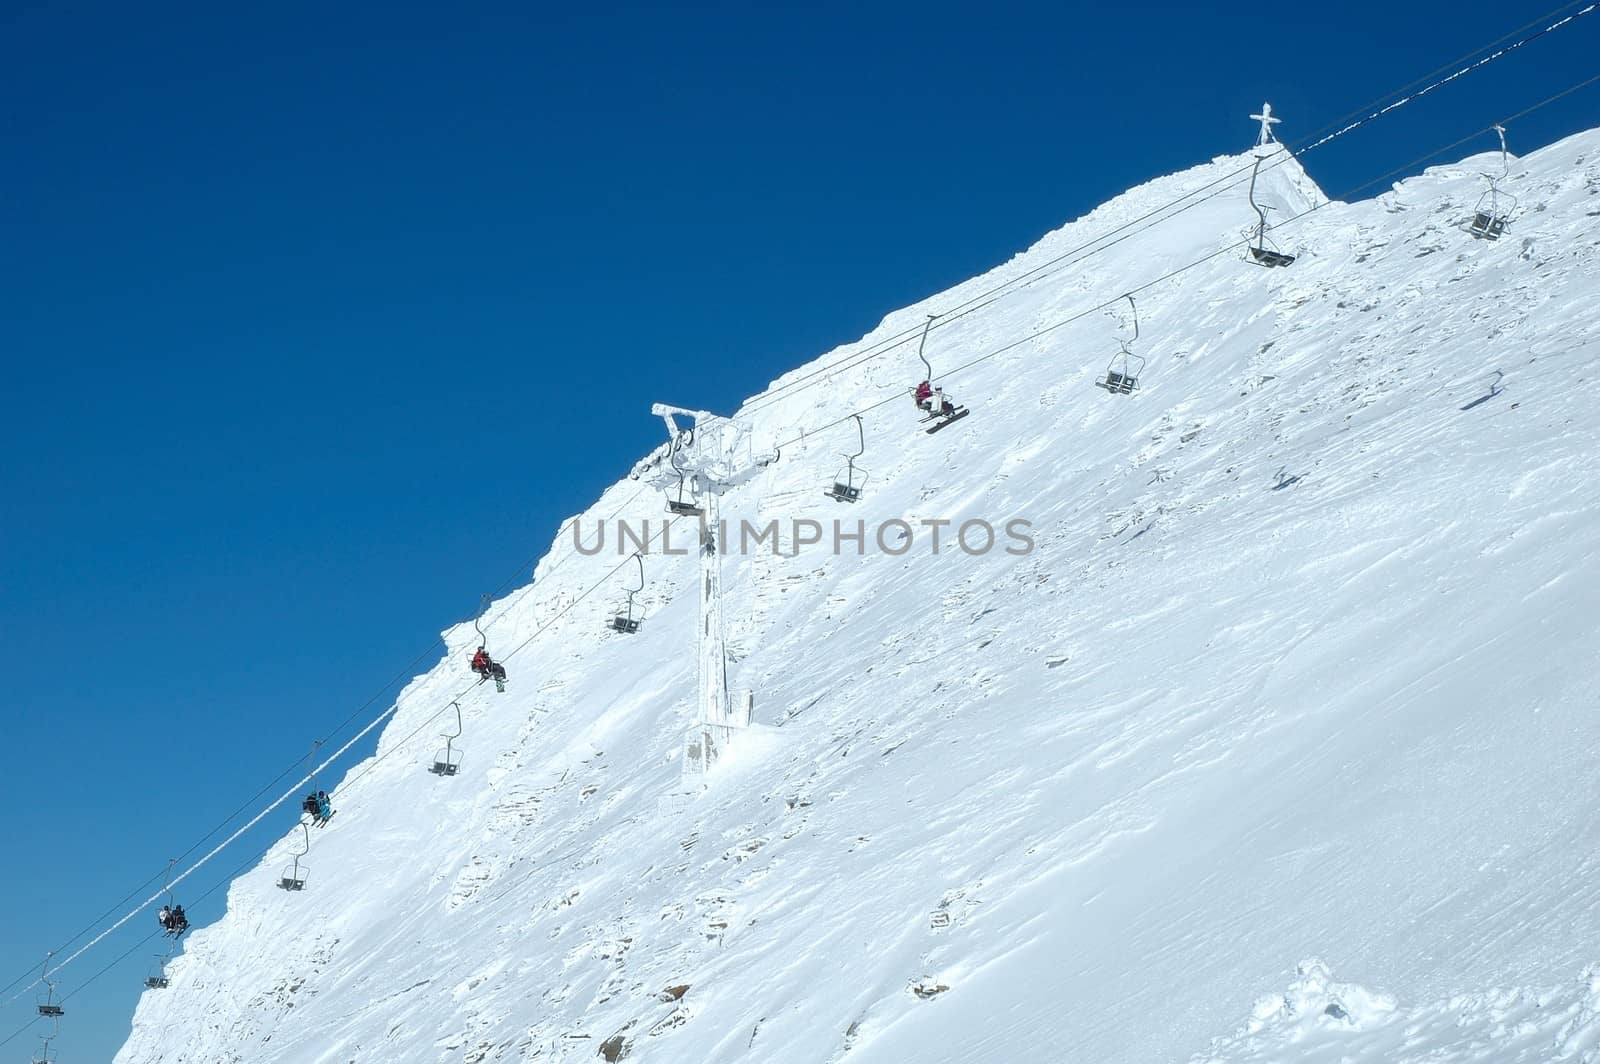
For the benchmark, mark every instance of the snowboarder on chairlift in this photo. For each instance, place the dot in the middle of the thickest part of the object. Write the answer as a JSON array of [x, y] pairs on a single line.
[[179, 922]]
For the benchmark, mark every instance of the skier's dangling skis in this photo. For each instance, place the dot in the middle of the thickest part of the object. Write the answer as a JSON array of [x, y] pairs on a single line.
[[959, 413]]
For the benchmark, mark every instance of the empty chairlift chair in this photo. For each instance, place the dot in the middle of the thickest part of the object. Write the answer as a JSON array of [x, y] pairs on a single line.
[[49, 1003], [1494, 207], [849, 481], [294, 876], [157, 979], [1122, 372], [1263, 252], [447, 762], [44, 1054], [626, 621], [684, 505]]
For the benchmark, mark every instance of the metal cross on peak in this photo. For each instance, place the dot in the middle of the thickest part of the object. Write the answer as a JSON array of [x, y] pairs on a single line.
[[1267, 122]]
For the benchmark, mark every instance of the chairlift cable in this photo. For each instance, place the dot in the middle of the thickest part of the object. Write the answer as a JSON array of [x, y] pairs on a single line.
[[892, 398], [1295, 149], [408, 670], [1224, 250], [371, 764]]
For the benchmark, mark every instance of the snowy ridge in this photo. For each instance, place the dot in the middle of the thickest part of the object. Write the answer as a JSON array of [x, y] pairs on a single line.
[[1302, 666]]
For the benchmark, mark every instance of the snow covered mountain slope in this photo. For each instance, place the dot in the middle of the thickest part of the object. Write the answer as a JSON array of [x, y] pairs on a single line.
[[1295, 696]]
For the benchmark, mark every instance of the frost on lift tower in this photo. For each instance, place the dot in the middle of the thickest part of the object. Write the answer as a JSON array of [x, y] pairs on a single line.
[[1494, 207], [1122, 373], [716, 453], [1263, 252]]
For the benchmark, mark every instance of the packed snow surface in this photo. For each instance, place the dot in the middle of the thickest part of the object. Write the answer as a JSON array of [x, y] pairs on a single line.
[[1279, 745]]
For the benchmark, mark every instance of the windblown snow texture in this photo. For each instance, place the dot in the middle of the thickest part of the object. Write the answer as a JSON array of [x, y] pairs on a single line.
[[1280, 744]]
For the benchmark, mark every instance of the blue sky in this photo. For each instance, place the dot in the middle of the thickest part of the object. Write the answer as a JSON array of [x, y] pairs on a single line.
[[316, 321]]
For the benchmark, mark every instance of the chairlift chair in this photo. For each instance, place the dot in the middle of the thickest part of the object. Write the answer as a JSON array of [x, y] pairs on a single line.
[[1263, 255], [48, 1005], [941, 410], [448, 761], [625, 622], [1494, 207], [491, 669], [849, 481], [294, 876], [681, 506], [157, 977], [1263, 252], [316, 797], [1122, 372], [44, 1054]]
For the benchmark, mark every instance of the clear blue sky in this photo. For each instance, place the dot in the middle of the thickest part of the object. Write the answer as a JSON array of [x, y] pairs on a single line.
[[316, 320]]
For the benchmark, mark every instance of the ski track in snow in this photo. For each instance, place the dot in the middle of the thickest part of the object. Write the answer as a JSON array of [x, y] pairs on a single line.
[[1294, 698]]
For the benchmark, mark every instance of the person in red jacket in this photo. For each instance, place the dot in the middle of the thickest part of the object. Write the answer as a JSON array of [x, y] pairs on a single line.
[[933, 400], [489, 669]]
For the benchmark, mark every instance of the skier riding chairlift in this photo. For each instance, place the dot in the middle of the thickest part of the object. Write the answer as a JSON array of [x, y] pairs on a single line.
[[173, 921], [319, 806], [488, 669], [926, 394]]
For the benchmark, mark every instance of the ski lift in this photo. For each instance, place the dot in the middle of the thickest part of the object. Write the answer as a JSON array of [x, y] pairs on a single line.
[[316, 803], [848, 482], [1122, 372], [46, 1055], [482, 663], [626, 622], [1263, 252], [477, 622], [294, 877], [157, 979], [683, 507], [940, 410], [448, 761], [48, 1003], [177, 922], [1494, 207]]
